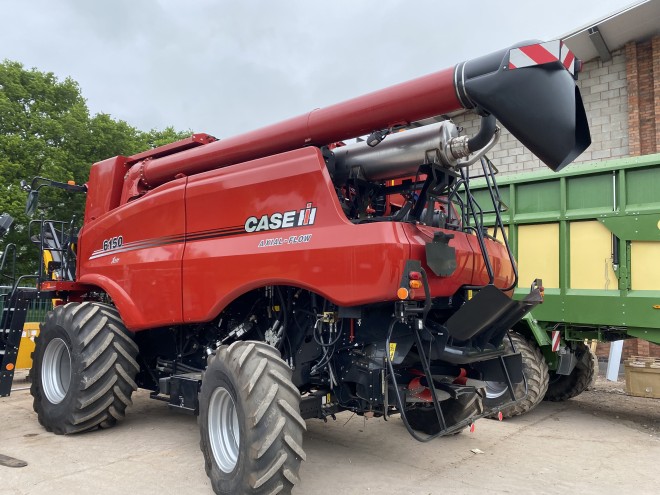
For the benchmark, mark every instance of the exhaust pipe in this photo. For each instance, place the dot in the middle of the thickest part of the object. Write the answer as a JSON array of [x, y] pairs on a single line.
[[401, 154]]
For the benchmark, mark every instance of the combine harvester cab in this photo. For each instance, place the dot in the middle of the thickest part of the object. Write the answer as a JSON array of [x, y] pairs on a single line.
[[353, 277]]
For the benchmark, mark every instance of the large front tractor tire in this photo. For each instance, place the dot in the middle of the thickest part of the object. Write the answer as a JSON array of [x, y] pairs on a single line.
[[250, 424], [84, 367], [535, 370], [564, 387]]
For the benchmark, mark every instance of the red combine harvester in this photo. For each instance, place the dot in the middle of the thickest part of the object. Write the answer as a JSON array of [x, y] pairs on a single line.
[[280, 275]]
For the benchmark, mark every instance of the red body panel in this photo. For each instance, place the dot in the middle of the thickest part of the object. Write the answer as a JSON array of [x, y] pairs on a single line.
[[345, 263], [108, 179], [186, 254], [143, 279], [470, 267]]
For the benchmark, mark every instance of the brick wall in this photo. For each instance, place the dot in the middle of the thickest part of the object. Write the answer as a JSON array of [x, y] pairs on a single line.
[[622, 101], [656, 89], [643, 67], [631, 347], [605, 94]]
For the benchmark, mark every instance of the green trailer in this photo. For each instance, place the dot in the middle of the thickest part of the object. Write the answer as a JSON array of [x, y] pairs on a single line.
[[592, 234]]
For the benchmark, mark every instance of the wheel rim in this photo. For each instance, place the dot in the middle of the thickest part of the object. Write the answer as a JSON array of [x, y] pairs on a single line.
[[224, 431], [495, 389], [56, 371]]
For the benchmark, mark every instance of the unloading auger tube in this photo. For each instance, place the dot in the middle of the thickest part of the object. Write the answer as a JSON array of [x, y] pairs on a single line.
[[529, 88]]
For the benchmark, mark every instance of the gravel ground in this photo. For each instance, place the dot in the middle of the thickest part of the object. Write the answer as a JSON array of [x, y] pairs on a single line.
[[602, 442], [609, 400]]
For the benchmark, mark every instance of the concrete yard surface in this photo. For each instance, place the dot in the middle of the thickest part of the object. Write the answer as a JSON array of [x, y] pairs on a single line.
[[601, 442]]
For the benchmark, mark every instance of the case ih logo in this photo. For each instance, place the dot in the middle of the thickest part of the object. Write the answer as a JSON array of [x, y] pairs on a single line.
[[286, 220]]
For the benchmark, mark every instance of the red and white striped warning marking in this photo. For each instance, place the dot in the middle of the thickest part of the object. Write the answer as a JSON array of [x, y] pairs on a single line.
[[542, 53], [567, 58], [556, 338]]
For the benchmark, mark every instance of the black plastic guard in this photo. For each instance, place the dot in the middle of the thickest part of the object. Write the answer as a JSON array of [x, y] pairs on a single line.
[[489, 314], [440, 256], [540, 105], [184, 392], [492, 370]]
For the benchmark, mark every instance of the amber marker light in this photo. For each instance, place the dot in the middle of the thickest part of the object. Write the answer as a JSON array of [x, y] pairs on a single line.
[[415, 284], [9, 367], [402, 293]]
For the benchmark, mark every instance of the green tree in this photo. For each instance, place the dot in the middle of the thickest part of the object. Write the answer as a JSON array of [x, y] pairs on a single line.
[[46, 130]]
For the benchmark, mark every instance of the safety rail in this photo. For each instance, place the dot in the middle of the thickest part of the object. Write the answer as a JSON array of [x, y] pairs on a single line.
[[37, 309], [473, 215], [56, 240]]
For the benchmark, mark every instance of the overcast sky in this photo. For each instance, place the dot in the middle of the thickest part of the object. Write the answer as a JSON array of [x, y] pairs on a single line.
[[225, 67]]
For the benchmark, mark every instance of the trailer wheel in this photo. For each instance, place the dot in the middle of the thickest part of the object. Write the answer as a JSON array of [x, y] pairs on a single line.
[[564, 387], [535, 370], [250, 424], [84, 368]]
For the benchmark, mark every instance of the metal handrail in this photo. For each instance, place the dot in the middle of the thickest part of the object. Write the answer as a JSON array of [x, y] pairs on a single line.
[[472, 216], [9, 248], [61, 244]]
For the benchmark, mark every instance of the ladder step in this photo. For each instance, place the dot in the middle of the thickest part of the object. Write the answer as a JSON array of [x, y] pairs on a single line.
[[11, 330]]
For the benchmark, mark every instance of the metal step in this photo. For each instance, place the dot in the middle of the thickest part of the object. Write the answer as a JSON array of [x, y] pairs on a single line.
[[11, 331]]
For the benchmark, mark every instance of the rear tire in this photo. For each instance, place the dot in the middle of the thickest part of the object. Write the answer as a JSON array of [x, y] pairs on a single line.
[[250, 424], [84, 367], [535, 370], [564, 387]]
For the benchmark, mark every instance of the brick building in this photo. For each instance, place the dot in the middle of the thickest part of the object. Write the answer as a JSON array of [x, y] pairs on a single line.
[[620, 90], [620, 87], [604, 88]]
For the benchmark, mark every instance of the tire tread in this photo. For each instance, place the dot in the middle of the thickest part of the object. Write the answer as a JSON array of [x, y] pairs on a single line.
[[273, 425], [104, 367], [565, 387], [535, 369]]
